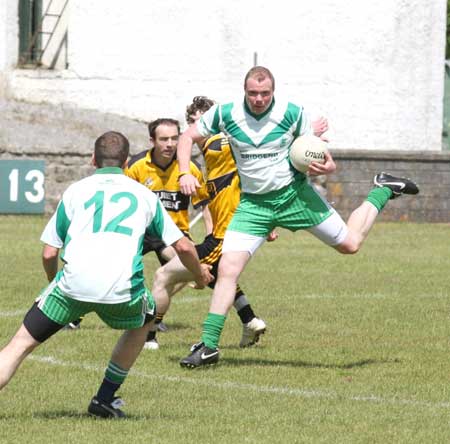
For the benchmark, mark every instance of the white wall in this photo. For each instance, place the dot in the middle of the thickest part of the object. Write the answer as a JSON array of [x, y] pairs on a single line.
[[9, 43], [374, 68]]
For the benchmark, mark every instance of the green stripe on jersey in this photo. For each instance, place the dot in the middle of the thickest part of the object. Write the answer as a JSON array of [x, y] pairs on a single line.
[[156, 228], [290, 118], [62, 222], [232, 128], [137, 277], [216, 121]]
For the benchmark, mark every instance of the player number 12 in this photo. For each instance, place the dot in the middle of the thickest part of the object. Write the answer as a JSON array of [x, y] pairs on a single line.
[[114, 225]]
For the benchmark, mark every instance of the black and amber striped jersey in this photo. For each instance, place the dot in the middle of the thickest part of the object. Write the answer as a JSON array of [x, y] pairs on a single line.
[[164, 183], [222, 183]]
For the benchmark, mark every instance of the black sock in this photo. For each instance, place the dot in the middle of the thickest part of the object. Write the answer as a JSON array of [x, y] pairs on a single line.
[[151, 336], [107, 390], [242, 306], [246, 314]]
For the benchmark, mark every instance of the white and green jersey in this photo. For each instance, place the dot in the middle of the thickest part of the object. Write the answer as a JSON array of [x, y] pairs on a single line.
[[100, 223], [260, 143]]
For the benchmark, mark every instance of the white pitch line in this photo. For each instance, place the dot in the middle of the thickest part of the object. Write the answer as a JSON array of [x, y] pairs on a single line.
[[276, 390], [340, 296], [180, 299], [12, 314], [188, 299]]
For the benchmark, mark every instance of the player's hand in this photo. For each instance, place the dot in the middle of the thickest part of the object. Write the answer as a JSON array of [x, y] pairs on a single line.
[[205, 278], [272, 236], [189, 184], [320, 125], [318, 169]]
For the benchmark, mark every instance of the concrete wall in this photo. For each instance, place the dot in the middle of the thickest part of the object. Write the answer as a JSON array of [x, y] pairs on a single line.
[[376, 69], [9, 41], [346, 189], [349, 186]]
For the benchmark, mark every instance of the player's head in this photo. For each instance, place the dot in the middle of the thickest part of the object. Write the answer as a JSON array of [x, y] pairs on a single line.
[[111, 150], [259, 85], [199, 105], [164, 134]]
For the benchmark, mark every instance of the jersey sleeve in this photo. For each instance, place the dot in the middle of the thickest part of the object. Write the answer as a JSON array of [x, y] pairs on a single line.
[[304, 125], [55, 232], [163, 227], [209, 123]]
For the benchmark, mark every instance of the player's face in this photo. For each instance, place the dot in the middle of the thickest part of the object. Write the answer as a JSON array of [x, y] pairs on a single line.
[[258, 95], [165, 142]]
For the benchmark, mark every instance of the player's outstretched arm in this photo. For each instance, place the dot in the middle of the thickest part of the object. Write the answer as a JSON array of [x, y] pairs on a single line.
[[188, 255], [50, 261], [319, 126], [188, 182]]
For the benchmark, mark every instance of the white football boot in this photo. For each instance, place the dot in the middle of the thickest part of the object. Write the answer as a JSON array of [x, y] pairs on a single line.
[[251, 331], [151, 345]]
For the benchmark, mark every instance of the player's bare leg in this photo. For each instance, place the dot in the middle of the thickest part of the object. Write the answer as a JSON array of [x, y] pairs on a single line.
[[129, 346], [105, 404], [231, 266], [362, 219], [13, 354], [206, 352], [359, 224], [168, 280]]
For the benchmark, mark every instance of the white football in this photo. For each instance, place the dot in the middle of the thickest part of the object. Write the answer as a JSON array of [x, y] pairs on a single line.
[[306, 149]]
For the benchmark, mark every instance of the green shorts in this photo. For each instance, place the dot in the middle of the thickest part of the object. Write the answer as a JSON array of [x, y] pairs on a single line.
[[295, 207], [62, 309]]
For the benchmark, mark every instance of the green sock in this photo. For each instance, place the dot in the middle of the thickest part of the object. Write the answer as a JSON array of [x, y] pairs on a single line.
[[379, 197], [115, 373], [212, 329], [114, 377]]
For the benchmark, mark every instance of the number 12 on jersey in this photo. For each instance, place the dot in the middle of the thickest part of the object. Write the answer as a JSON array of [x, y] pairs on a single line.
[[115, 223]]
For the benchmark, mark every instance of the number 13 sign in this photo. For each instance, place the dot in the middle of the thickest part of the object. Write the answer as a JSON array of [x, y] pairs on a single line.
[[22, 186]]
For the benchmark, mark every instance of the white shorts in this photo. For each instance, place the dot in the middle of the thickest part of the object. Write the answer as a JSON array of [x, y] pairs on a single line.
[[332, 231]]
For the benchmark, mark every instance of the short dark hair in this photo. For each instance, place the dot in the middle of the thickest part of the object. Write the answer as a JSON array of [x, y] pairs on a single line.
[[259, 73], [111, 150], [152, 126], [199, 103]]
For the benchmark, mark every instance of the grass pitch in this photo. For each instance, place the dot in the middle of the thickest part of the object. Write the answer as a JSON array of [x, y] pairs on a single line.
[[357, 351]]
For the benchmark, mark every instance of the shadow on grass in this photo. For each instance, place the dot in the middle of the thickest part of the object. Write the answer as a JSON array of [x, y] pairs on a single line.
[[69, 414], [172, 326], [235, 362], [176, 326]]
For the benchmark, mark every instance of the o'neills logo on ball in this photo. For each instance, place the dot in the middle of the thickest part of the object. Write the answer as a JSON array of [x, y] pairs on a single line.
[[314, 155]]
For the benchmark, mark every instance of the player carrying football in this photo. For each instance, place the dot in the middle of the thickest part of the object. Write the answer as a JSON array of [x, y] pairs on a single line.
[[260, 131]]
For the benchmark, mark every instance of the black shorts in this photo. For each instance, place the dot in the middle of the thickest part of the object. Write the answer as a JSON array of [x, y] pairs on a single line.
[[39, 325], [42, 327], [153, 243]]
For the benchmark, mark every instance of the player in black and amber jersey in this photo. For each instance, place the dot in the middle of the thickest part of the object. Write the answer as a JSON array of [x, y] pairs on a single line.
[[224, 194], [157, 169]]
